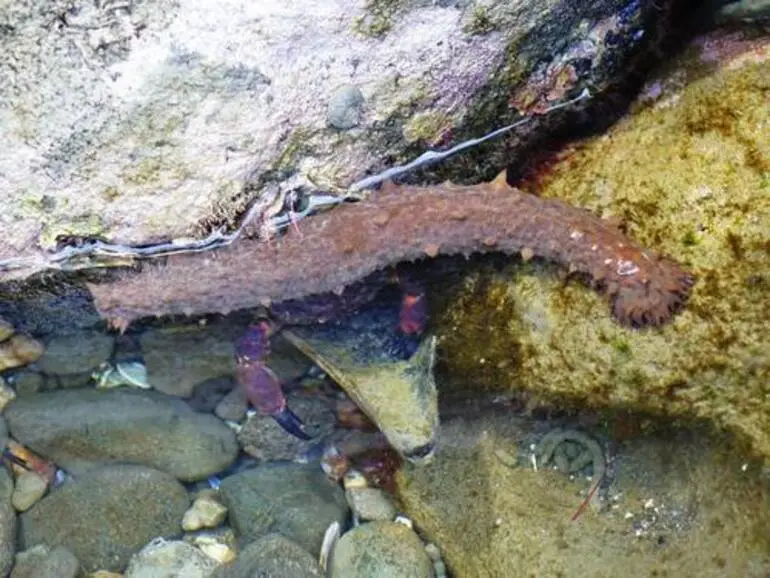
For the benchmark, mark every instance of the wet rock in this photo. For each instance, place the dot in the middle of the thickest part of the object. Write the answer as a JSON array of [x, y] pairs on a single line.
[[370, 504], [7, 394], [206, 512], [162, 559], [272, 556], [344, 109], [28, 382], [7, 523], [262, 438], [380, 550], [233, 406], [219, 546], [524, 330], [208, 394], [43, 562], [83, 429], [3, 433], [19, 350], [76, 353], [6, 329], [481, 499], [294, 500], [30, 487], [179, 358], [107, 515]]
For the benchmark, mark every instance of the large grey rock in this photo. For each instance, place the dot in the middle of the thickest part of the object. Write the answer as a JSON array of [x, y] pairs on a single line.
[[380, 550], [106, 516], [297, 501], [76, 353], [84, 429], [140, 121], [43, 562], [273, 556], [7, 523]]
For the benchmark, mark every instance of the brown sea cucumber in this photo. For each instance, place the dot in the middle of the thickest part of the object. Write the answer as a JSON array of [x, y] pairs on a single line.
[[403, 223]]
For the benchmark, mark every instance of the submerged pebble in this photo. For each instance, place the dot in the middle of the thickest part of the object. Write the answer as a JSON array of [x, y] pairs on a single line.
[[107, 515], [380, 550], [87, 428], [206, 512], [43, 562], [30, 487], [344, 109], [275, 556], [161, 559], [295, 500]]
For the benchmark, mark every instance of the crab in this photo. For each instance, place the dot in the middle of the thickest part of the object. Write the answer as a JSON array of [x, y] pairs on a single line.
[[260, 383]]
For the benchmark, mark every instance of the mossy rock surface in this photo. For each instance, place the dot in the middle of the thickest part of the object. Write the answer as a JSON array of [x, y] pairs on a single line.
[[687, 173]]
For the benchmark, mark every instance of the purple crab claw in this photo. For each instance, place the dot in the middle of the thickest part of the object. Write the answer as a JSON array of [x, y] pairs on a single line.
[[289, 421]]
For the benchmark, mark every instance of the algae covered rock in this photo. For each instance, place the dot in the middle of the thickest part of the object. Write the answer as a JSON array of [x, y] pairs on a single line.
[[687, 173]]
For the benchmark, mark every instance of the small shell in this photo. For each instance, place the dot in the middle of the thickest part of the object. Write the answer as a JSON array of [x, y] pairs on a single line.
[[331, 537], [134, 373]]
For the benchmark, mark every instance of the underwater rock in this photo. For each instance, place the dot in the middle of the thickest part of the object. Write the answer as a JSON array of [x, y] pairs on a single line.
[[43, 562], [399, 396], [6, 329], [108, 515], [76, 353], [275, 556], [685, 173], [19, 350], [30, 487], [180, 358], [380, 550], [295, 500], [206, 512], [161, 558], [262, 438], [7, 523], [84, 429], [679, 492]]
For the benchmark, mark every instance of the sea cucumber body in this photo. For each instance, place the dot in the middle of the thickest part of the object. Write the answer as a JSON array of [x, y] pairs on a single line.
[[403, 223]]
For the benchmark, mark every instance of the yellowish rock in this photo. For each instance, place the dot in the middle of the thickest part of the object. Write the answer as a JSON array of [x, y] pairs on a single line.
[[7, 394], [215, 549], [30, 487], [687, 173], [6, 329], [206, 512], [19, 350]]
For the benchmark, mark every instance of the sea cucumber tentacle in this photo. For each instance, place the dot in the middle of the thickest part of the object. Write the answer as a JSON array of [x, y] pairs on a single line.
[[404, 223]]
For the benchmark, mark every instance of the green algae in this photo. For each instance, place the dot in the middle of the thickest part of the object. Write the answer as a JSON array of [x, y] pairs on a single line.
[[685, 177], [378, 17]]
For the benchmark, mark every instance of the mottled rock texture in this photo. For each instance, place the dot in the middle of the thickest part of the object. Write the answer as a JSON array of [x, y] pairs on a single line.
[[160, 120]]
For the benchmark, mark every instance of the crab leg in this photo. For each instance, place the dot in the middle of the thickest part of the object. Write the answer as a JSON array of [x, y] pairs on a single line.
[[260, 383]]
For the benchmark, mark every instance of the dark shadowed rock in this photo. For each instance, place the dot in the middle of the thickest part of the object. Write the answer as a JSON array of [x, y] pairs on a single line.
[[107, 515], [87, 428], [76, 353], [295, 500]]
